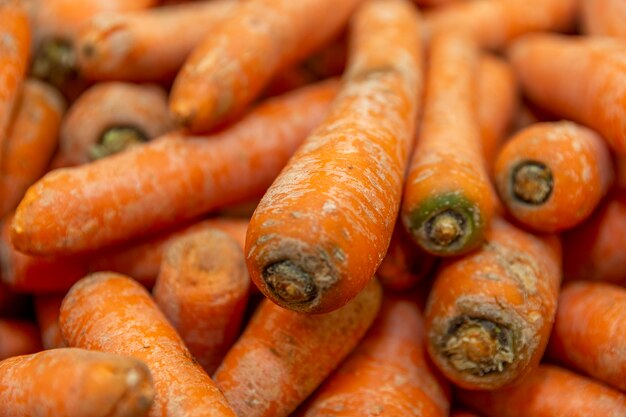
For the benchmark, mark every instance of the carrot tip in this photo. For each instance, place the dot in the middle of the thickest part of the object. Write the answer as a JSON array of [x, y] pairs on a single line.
[[116, 139], [55, 62], [532, 182], [289, 283], [445, 228]]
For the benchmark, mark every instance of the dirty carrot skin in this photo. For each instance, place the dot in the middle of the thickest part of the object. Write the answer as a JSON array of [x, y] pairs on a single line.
[[448, 200], [387, 374], [47, 309], [148, 45], [18, 337], [321, 230], [236, 60], [550, 193], [31, 141], [489, 314], [546, 392], [74, 383], [112, 313], [589, 331], [283, 355], [603, 17], [163, 183]]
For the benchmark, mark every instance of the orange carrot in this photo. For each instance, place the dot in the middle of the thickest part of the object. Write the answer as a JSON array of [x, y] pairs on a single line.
[[546, 392], [387, 375], [74, 383], [111, 313], [579, 78], [236, 60], [148, 45], [551, 176], [489, 314], [47, 308], [163, 183], [321, 230], [283, 355], [603, 17], [590, 331], [18, 337], [202, 289]]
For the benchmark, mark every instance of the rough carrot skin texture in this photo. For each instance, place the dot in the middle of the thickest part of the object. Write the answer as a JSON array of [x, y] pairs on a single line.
[[578, 78], [31, 141], [551, 176], [47, 309], [546, 392], [387, 375], [112, 313], [170, 180], [590, 331], [74, 383], [489, 313], [448, 200], [18, 337], [149, 45], [495, 23], [260, 37], [321, 230], [203, 289], [603, 17], [283, 355]]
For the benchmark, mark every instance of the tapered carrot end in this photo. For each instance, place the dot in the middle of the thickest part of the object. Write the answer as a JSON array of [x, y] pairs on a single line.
[[289, 283], [55, 62], [531, 182], [136, 390], [115, 140]]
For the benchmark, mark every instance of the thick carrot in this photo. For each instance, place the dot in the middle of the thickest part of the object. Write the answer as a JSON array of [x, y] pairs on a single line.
[[112, 313], [579, 78], [74, 383], [31, 141], [321, 230], [47, 309], [18, 337], [448, 200], [202, 289], [590, 331], [259, 38], [548, 391], [167, 181], [148, 45], [283, 355], [495, 23], [604, 17], [551, 176], [111, 117], [387, 375], [489, 314]]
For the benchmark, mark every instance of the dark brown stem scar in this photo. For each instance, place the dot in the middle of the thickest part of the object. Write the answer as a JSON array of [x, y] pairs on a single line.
[[289, 282], [116, 139], [55, 62], [445, 228], [532, 182], [478, 346]]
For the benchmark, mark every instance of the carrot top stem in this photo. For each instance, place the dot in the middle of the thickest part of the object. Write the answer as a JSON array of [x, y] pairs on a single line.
[[532, 182], [55, 62], [117, 139], [289, 282]]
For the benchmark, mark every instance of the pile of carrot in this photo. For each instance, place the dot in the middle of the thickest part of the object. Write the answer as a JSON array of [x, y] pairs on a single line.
[[312, 208]]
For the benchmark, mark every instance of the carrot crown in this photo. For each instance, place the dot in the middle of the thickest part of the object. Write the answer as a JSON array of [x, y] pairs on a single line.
[[55, 62], [531, 182]]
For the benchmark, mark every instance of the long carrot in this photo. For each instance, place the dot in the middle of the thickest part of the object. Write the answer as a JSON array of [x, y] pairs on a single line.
[[112, 313], [74, 383], [260, 37], [387, 375], [47, 309], [167, 181], [603, 17], [579, 78], [18, 337], [283, 355], [546, 392], [321, 230], [489, 314]]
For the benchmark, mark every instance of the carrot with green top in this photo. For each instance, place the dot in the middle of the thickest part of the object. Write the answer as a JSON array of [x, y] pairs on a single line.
[[163, 183], [47, 310], [489, 313], [283, 355], [229, 69], [18, 337], [321, 230], [74, 383], [112, 313], [603, 17]]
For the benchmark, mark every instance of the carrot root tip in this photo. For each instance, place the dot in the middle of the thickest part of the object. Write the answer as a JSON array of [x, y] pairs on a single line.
[[117, 139], [55, 62], [290, 283], [532, 182]]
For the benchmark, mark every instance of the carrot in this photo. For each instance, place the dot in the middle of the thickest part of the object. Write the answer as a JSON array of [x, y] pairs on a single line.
[[74, 383], [202, 289], [18, 337], [489, 313], [228, 69], [47, 309], [387, 374], [31, 141], [283, 355], [172, 179], [549, 193], [495, 23], [603, 17], [579, 78], [548, 391], [112, 313], [321, 230], [111, 117], [448, 200]]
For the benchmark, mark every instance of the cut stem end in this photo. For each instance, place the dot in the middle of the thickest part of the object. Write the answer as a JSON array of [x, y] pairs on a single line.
[[532, 182], [289, 283], [55, 62], [117, 139], [445, 228]]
